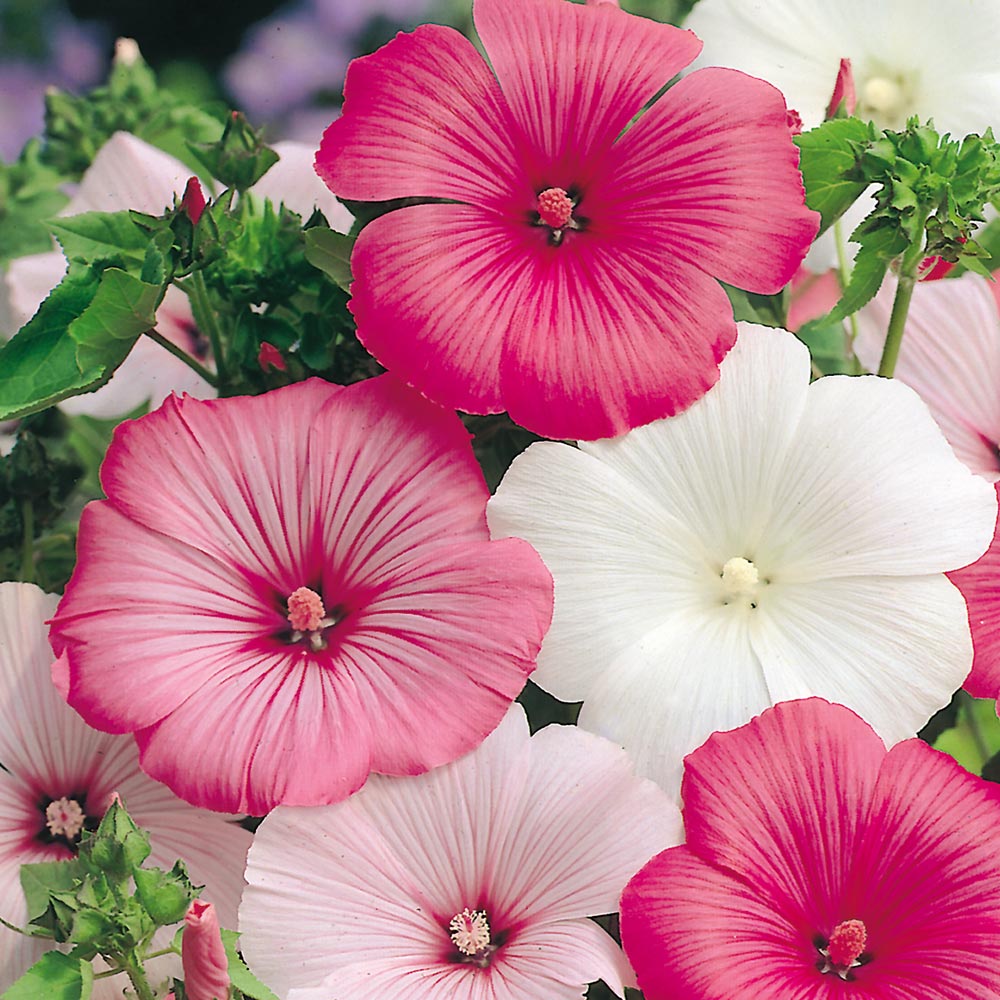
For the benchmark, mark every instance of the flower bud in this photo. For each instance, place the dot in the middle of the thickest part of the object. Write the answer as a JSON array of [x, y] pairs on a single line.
[[206, 969]]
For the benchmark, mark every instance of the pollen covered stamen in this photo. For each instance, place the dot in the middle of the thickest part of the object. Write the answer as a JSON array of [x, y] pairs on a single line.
[[883, 95], [470, 931], [847, 942], [305, 610], [740, 577], [555, 208], [65, 818]]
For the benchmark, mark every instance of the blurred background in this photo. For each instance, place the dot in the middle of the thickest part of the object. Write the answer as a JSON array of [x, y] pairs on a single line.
[[282, 63]]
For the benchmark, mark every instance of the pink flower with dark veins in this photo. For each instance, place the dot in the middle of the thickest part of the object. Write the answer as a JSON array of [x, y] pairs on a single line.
[[820, 866], [284, 593], [565, 259]]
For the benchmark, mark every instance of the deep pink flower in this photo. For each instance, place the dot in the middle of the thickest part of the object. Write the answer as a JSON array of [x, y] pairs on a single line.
[[206, 968], [472, 882], [57, 778], [819, 866], [844, 99], [570, 276], [284, 593]]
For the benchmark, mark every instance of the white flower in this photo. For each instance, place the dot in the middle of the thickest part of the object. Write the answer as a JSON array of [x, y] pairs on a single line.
[[776, 540]]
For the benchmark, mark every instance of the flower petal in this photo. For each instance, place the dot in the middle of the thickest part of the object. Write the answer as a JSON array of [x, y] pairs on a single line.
[[292, 181], [892, 649], [664, 695], [574, 77], [922, 513], [677, 177], [423, 117]]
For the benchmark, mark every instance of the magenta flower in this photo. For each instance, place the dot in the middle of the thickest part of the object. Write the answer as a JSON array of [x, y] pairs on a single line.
[[57, 778], [817, 866], [564, 266], [284, 593], [472, 882]]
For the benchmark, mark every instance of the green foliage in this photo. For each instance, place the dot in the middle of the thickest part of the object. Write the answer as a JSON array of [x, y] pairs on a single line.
[[828, 158], [131, 101], [55, 977], [330, 251], [767, 310], [239, 158], [29, 194]]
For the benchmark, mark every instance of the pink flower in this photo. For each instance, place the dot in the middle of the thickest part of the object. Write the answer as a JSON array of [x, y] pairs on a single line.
[[58, 777], [206, 968], [844, 99], [471, 882], [284, 593], [570, 277], [819, 866]]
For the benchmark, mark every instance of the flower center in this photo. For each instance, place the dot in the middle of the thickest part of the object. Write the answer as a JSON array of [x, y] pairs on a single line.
[[886, 99], [555, 208], [309, 618], [470, 933], [845, 949], [65, 818]]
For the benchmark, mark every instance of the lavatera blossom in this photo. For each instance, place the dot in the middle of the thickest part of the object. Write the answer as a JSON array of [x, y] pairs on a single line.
[[471, 882], [57, 778], [564, 261], [778, 539], [819, 866], [286, 592]]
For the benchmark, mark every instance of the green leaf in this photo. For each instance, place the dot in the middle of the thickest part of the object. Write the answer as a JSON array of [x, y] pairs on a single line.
[[768, 310], [239, 975], [29, 194], [54, 977], [50, 889], [330, 251], [95, 237], [878, 248], [828, 158]]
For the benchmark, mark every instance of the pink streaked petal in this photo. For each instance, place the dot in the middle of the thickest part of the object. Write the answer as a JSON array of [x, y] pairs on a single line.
[[198, 617], [423, 117], [695, 932], [383, 977], [606, 340], [558, 960], [230, 475], [575, 76], [926, 884], [711, 174], [283, 727], [372, 518], [893, 649], [980, 586], [457, 635], [444, 337], [782, 804]]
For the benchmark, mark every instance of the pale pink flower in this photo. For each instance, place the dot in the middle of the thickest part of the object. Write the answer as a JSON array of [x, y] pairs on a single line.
[[565, 263], [284, 593], [817, 865], [473, 881], [206, 968], [58, 776]]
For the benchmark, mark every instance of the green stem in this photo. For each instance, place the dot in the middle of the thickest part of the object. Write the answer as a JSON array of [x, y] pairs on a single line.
[[179, 352], [13, 927], [901, 304], [162, 951], [137, 975], [844, 276], [28, 542], [204, 315], [897, 323]]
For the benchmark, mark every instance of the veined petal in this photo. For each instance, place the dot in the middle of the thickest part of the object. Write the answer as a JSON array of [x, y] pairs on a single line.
[[235, 475], [664, 695], [782, 805], [710, 175], [980, 586], [872, 487], [276, 722], [575, 76], [423, 117], [292, 181], [695, 932], [893, 649], [620, 561]]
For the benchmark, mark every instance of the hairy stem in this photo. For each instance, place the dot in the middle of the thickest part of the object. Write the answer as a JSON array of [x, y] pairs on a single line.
[[179, 352]]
